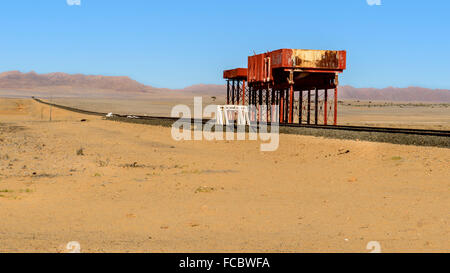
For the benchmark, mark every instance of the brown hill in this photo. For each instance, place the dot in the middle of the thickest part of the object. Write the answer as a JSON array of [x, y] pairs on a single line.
[[32, 80], [15, 83], [409, 94], [206, 89]]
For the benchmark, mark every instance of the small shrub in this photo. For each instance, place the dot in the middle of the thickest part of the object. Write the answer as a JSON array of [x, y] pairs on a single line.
[[102, 163], [80, 152], [204, 189], [132, 165]]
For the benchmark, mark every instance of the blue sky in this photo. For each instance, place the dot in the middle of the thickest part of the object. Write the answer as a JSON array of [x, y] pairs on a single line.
[[179, 43]]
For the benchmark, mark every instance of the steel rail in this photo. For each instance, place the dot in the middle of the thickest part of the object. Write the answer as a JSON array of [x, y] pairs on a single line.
[[370, 129]]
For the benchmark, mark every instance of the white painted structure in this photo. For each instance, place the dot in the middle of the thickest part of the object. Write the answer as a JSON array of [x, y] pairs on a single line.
[[227, 114]]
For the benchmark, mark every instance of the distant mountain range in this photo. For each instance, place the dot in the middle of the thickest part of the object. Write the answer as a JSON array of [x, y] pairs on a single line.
[[408, 94], [34, 81], [16, 83]]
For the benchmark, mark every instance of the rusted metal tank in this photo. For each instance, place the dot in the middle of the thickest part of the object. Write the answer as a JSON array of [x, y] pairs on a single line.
[[261, 67], [237, 73]]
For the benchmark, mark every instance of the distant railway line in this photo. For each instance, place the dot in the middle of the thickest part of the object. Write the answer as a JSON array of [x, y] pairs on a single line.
[[381, 134]]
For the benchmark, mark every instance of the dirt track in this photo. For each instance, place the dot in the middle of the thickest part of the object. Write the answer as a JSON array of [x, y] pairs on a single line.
[[117, 187]]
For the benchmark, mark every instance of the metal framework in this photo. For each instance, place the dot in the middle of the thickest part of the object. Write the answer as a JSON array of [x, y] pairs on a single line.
[[236, 86], [289, 85]]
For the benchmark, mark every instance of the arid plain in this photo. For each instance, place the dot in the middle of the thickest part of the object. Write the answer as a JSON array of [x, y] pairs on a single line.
[[120, 187]]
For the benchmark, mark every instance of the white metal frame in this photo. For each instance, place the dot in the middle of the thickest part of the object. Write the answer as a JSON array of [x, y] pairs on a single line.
[[227, 113]]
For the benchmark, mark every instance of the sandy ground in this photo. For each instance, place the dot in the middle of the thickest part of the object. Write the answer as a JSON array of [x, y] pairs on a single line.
[[386, 114], [134, 189]]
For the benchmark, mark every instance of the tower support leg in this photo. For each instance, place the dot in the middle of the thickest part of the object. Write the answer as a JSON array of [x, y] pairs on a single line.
[[238, 91], [300, 107], [272, 108], [286, 108], [243, 92], [336, 82], [255, 103], [281, 106], [228, 91], [335, 105], [316, 108], [232, 91], [259, 105], [253, 95], [308, 117], [325, 110], [291, 103], [267, 104]]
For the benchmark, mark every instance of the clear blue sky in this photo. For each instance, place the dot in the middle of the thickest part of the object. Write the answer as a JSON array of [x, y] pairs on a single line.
[[178, 43]]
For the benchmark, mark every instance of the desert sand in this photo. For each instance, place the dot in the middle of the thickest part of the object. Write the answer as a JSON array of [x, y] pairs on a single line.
[[120, 187]]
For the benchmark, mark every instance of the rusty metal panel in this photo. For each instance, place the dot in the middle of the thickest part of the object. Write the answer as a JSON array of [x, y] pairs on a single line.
[[343, 59], [237, 73], [281, 58], [306, 58], [255, 68], [320, 59]]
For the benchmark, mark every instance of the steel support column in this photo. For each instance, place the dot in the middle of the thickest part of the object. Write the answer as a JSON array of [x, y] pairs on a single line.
[[281, 106], [316, 107], [232, 92], [272, 106], [277, 103], [291, 104], [288, 103], [253, 94], [243, 92], [267, 104], [300, 107], [335, 106], [308, 117], [238, 92], [250, 95], [336, 82], [325, 110], [259, 104], [228, 91]]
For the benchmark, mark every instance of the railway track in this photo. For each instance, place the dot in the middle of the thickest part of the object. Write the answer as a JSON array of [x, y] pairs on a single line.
[[405, 131], [424, 132]]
